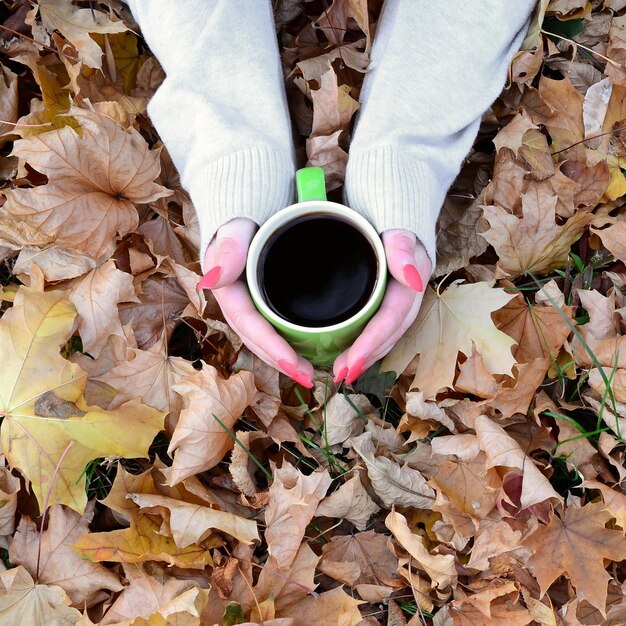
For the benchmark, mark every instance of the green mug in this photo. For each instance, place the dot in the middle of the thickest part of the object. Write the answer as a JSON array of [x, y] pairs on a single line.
[[320, 345]]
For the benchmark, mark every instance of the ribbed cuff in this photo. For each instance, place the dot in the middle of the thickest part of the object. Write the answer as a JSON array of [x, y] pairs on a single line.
[[252, 183], [395, 191]]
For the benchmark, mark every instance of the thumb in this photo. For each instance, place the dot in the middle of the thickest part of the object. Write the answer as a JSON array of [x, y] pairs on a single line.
[[407, 259], [225, 258]]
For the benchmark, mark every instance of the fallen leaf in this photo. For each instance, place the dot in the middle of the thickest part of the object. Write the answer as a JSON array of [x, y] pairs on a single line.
[[394, 484], [191, 523], [75, 24], [199, 441], [48, 555], [533, 242], [326, 608], [344, 416], [440, 567], [362, 558], [26, 602], [577, 543], [503, 451], [461, 315], [50, 438], [94, 179], [351, 502], [293, 499]]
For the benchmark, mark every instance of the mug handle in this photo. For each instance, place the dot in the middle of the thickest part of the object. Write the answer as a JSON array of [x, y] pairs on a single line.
[[310, 184]]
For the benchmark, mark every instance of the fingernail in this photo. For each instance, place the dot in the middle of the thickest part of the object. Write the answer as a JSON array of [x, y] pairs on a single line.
[[342, 374], [295, 374], [412, 277], [209, 280], [302, 379], [355, 371]]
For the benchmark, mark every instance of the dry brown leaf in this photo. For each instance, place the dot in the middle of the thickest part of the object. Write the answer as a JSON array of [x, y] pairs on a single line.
[[342, 420], [474, 378], [149, 589], [362, 558], [49, 556], [577, 544], [8, 103], [293, 499], [90, 196], [449, 323], [440, 567], [503, 451], [199, 441], [614, 239], [22, 601], [351, 502], [614, 501], [493, 539], [394, 484], [326, 608], [96, 296], [534, 242], [191, 523], [75, 24]]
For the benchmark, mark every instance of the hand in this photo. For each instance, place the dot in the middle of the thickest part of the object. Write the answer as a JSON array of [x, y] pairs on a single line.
[[410, 269], [225, 261]]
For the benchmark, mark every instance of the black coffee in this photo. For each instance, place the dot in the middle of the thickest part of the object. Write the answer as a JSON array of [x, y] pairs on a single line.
[[317, 271]]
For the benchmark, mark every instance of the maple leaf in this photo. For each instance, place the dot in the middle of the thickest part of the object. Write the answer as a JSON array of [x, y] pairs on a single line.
[[8, 103], [450, 323], [49, 432], [325, 608], [577, 544], [93, 180], [534, 242], [22, 601], [48, 555], [75, 24]]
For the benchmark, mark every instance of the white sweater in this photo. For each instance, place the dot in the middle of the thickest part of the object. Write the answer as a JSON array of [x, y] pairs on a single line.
[[222, 112]]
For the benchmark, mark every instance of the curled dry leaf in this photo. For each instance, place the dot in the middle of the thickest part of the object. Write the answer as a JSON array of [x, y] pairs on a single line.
[[394, 484], [344, 416], [293, 499], [192, 523], [199, 441], [351, 502], [75, 25], [440, 567], [503, 451]]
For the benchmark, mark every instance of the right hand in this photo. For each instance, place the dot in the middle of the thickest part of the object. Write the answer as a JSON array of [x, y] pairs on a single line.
[[225, 261]]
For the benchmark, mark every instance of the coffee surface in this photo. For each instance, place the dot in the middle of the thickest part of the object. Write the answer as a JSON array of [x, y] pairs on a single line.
[[317, 271]]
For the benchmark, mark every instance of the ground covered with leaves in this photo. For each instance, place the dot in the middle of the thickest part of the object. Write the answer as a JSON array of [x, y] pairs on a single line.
[[155, 472]]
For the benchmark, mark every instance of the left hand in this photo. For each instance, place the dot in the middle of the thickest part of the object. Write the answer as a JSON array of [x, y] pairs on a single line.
[[409, 268]]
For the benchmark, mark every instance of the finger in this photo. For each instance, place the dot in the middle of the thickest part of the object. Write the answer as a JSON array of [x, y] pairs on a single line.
[[225, 258], [407, 259], [397, 312], [259, 335]]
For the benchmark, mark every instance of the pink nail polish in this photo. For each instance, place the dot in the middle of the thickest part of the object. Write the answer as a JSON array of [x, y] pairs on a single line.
[[302, 379], [289, 368], [355, 371], [342, 374], [209, 280], [412, 277]]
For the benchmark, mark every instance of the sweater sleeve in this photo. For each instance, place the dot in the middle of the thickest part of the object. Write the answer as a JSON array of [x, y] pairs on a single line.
[[221, 110], [436, 68]]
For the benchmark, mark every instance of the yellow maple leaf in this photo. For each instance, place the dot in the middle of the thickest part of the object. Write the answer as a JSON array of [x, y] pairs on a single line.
[[49, 432], [450, 323]]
